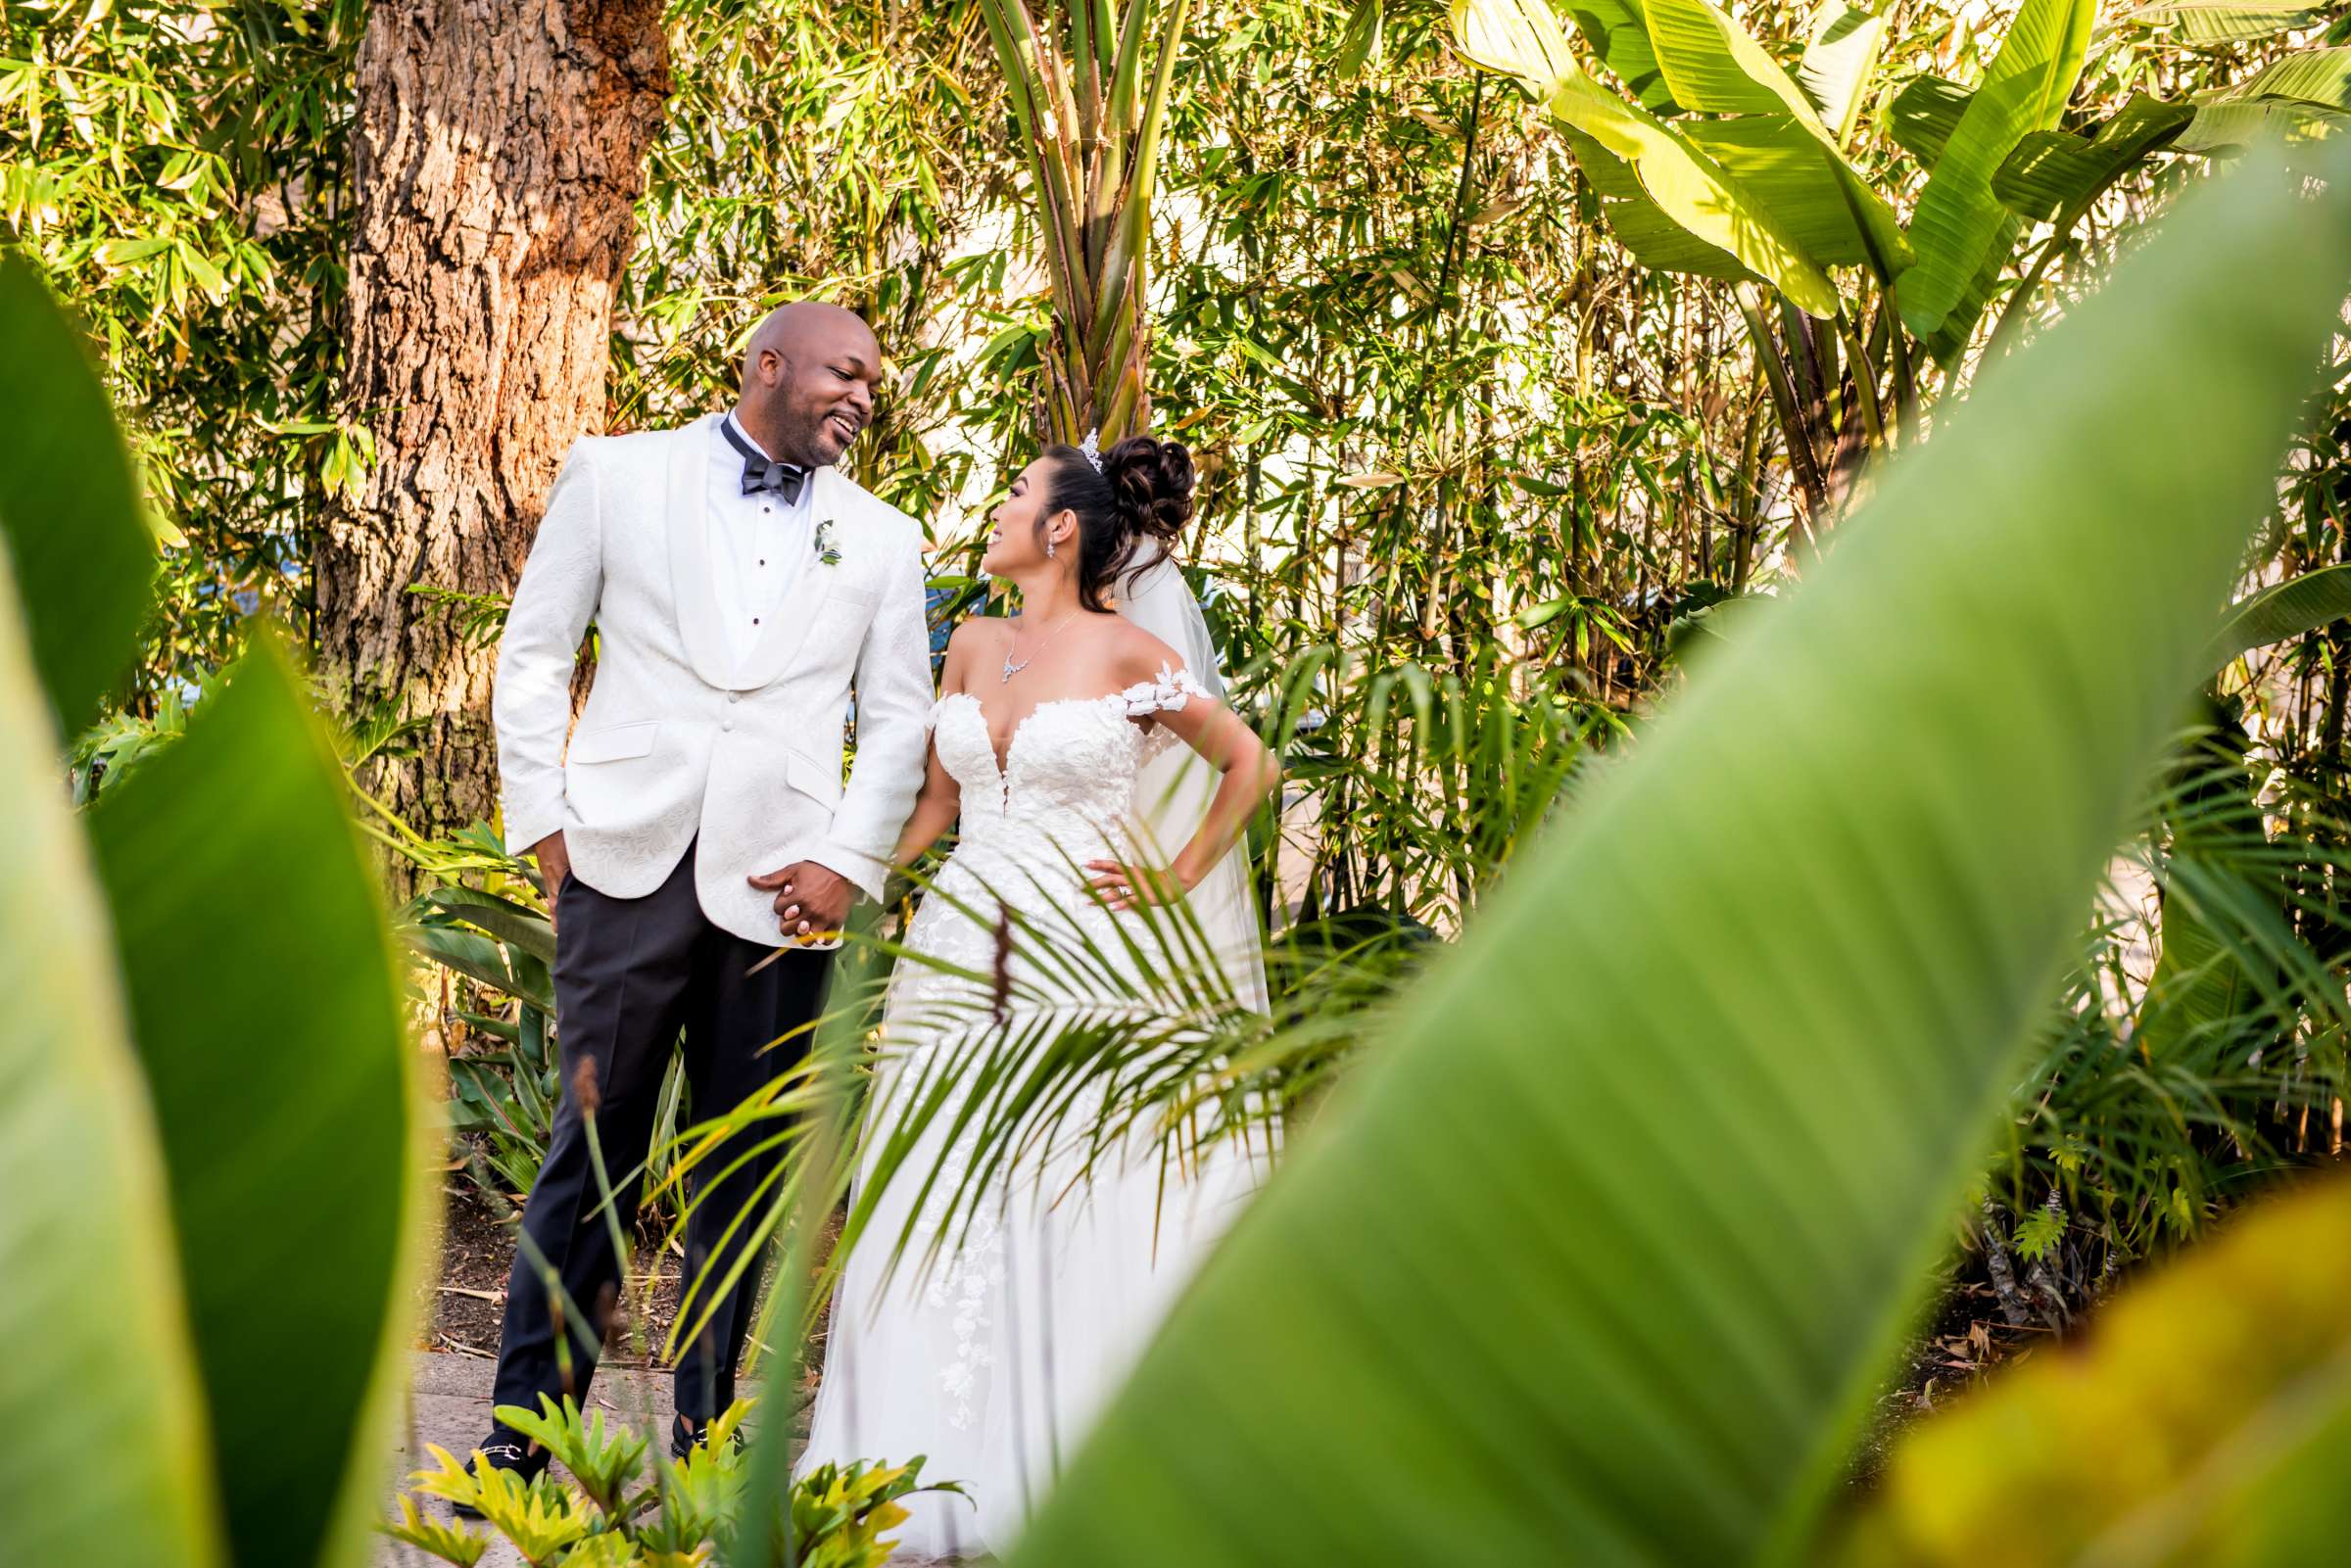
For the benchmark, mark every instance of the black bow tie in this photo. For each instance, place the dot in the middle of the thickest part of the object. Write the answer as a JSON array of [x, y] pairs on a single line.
[[762, 472]]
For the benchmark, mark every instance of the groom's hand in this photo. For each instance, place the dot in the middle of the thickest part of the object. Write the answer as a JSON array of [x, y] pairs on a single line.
[[554, 863], [812, 901]]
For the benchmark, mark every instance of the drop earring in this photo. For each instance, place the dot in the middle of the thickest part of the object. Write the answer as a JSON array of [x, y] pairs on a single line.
[[1050, 550]]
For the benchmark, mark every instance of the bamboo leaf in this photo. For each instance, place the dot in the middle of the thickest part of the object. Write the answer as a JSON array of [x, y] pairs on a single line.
[[1359, 46], [1603, 1252]]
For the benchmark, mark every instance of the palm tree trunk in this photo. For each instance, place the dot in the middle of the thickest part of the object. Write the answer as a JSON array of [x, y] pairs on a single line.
[[498, 156]]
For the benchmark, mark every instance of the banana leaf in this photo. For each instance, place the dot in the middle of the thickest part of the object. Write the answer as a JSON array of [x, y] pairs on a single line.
[[2056, 171], [287, 1113], [1839, 61], [1617, 33], [1960, 225], [2302, 97], [1598, 1257], [1696, 191], [2288, 609], [1923, 115], [1520, 38], [2210, 21]]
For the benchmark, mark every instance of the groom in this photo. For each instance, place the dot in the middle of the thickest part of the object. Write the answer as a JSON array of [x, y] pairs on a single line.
[[739, 587]]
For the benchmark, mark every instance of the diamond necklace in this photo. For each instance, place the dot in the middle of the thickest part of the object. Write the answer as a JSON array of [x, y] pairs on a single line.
[[1011, 669]]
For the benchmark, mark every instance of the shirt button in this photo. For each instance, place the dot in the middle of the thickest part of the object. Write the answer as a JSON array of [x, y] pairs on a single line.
[[764, 560], [734, 697], [727, 723], [754, 620]]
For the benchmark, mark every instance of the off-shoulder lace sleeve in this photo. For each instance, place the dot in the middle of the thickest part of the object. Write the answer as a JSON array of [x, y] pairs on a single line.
[[1170, 689]]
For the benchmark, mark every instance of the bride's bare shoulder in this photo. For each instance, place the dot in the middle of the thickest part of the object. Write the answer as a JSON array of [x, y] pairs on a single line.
[[1138, 655]]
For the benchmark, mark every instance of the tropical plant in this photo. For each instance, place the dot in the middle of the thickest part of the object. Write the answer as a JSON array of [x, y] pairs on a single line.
[[1624, 1285], [1090, 120], [215, 1056], [1727, 165], [619, 1512]]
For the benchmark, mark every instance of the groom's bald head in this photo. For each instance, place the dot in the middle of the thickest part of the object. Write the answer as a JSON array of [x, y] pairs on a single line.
[[809, 374]]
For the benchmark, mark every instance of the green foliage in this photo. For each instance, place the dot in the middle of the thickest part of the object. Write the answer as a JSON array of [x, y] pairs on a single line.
[[2197, 1427], [68, 505], [1780, 1069], [159, 1054], [675, 1513], [179, 170]]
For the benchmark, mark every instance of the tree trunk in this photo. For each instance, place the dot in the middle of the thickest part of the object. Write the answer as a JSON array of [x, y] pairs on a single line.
[[497, 155]]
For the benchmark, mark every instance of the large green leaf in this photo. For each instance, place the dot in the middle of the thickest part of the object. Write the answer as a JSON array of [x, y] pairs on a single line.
[[2054, 171], [1601, 1257], [1520, 38], [1618, 32], [264, 1001], [1839, 61], [104, 1456], [1714, 66], [2287, 610], [2225, 1381], [2203, 21], [1960, 224], [1797, 177], [68, 508], [1923, 115], [1656, 240], [2302, 97], [1694, 190]]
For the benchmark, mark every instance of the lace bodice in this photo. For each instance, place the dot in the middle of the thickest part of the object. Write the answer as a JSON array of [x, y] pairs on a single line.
[[1070, 766]]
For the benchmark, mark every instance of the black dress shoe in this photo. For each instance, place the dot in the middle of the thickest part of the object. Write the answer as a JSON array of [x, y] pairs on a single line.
[[684, 1439], [504, 1451]]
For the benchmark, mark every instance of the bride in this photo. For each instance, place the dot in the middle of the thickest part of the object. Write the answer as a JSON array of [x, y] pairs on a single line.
[[1060, 739]]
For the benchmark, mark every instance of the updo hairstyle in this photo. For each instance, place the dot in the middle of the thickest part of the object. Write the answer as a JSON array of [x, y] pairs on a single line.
[[1145, 492]]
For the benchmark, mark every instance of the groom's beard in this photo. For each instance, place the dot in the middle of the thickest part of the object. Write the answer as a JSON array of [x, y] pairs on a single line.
[[807, 435]]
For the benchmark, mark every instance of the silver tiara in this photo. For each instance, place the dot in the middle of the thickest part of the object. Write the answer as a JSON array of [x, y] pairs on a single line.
[[1091, 449]]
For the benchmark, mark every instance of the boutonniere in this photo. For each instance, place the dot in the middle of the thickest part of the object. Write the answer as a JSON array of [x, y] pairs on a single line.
[[828, 549]]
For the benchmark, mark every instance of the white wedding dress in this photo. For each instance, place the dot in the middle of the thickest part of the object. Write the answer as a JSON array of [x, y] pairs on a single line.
[[994, 1362]]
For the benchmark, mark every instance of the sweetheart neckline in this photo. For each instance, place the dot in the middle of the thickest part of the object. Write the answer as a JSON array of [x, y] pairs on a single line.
[[1012, 743]]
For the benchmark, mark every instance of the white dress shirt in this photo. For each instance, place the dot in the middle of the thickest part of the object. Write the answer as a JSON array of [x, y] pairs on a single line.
[[758, 543]]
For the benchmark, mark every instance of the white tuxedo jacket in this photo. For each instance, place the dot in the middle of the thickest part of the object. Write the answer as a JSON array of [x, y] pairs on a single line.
[[675, 743]]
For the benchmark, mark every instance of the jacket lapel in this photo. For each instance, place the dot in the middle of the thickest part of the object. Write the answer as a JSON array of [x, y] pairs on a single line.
[[779, 639], [692, 590]]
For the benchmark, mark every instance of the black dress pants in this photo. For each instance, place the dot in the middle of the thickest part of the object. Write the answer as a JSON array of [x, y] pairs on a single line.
[[630, 974]]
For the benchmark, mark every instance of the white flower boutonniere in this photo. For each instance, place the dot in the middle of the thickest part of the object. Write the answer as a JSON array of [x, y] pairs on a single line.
[[828, 549]]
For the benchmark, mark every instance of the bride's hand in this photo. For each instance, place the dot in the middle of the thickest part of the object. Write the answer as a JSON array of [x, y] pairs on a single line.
[[1122, 888]]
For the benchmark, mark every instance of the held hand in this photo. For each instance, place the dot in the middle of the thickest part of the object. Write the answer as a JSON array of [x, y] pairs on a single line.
[[1122, 888], [554, 863], [812, 902]]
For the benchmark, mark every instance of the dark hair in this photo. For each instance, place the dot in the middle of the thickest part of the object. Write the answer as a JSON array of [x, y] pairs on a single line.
[[1143, 491]]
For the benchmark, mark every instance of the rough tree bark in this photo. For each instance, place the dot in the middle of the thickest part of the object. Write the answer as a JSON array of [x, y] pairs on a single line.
[[498, 152]]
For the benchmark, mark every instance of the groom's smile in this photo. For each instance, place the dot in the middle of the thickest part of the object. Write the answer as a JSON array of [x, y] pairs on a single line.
[[809, 380]]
